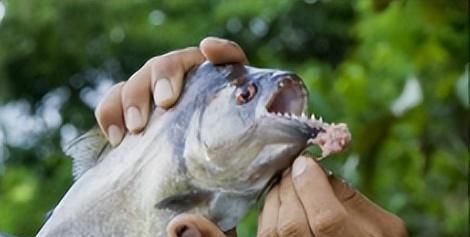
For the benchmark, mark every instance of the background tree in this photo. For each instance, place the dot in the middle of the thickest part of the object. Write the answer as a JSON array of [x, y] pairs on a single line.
[[395, 71]]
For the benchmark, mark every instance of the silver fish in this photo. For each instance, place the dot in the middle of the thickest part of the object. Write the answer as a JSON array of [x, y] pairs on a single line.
[[234, 129]]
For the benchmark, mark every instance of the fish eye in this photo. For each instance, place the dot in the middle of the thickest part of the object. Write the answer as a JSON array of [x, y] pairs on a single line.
[[245, 94]]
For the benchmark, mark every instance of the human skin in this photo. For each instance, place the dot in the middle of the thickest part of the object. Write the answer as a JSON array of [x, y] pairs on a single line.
[[307, 202]]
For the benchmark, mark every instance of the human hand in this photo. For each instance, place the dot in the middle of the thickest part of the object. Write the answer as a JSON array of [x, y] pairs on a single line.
[[291, 208], [307, 203], [127, 104], [190, 225]]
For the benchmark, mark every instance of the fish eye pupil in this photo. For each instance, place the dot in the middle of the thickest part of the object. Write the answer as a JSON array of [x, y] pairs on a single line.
[[245, 94]]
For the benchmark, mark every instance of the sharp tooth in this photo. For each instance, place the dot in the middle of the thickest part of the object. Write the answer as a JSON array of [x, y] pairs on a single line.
[[295, 116], [279, 114], [312, 116], [321, 119], [304, 115]]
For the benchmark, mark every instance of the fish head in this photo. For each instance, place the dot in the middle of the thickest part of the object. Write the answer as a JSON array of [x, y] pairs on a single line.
[[251, 127]]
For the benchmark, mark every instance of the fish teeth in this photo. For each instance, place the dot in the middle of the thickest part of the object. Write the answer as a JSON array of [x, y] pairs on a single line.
[[320, 119], [304, 115], [312, 116]]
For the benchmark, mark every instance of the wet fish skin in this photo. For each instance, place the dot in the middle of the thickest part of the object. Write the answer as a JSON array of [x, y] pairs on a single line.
[[208, 155]]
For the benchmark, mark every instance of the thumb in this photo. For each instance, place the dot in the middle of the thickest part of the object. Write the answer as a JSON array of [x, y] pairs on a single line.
[[189, 225]]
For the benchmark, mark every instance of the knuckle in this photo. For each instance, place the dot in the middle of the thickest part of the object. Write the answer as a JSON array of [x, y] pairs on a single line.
[[267, 232], [151, 61], [115, 89], [399, 227], [159, 61], [104, 112], [191, 49], [330, 222], [186, 57], [291, 228], [110, 104], [98, 111], [302, 184], [163, 61]]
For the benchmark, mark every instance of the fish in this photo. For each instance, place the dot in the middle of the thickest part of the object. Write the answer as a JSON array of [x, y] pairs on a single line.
[[234, 129]]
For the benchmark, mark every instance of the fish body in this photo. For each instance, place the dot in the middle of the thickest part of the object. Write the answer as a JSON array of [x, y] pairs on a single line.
[[234, 128]]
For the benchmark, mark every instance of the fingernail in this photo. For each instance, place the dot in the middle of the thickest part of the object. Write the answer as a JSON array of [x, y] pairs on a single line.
[[299, 167], [163, 91], [134, 119], [114, 135]]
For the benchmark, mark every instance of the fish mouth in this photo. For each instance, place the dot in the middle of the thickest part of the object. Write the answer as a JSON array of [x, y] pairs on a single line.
[[289, 104], [290, 98]]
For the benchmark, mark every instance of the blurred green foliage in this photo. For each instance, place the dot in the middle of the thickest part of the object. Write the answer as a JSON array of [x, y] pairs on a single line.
[[395, 71]]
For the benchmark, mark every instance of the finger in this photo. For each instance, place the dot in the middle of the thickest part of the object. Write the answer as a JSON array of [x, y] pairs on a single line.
[[222, 51], [372, 218], [188, 225], [292, 221], [268, 221], [109, 116], [326, 215], [231, 233], [167, 73], [260, 220], [136, 100]]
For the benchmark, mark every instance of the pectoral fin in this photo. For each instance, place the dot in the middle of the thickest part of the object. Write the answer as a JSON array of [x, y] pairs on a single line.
[[227, 209], [86, 151]]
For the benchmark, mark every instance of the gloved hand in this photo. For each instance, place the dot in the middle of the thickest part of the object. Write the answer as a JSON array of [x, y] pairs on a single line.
[[306, 203]]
